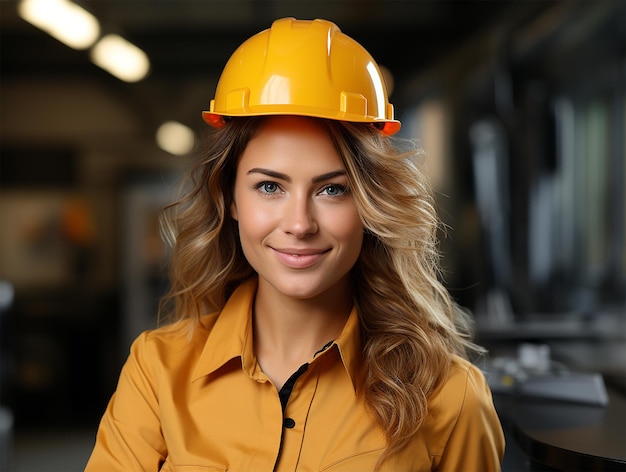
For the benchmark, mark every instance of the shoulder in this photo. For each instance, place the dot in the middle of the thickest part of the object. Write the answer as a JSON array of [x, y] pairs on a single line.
[[166, 344], [463, 399], [464, 377], [465, 386]]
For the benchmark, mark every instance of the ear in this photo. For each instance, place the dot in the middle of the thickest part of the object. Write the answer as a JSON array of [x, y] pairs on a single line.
[[233, 211]]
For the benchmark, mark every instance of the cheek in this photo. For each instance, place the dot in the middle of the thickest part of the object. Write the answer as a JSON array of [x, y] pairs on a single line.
[[253, 220], [349, 228]]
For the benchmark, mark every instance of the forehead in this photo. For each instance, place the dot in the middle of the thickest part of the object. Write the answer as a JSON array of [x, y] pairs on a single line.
[[291, 140]]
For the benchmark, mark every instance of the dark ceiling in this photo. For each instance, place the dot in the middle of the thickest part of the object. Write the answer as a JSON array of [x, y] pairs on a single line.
[[195, 37]]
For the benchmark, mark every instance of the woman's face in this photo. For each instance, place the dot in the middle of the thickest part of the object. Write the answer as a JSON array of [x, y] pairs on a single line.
[[298, 224]]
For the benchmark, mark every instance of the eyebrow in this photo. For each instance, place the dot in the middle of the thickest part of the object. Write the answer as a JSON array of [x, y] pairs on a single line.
[[286, 178]]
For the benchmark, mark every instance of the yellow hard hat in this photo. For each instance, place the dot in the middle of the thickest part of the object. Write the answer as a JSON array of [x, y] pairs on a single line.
[[302, 67]]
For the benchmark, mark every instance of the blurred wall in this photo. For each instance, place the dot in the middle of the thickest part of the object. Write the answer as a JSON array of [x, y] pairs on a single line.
[[524, 127]]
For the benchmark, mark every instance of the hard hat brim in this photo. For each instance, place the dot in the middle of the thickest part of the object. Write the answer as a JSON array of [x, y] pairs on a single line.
[[386, 127]]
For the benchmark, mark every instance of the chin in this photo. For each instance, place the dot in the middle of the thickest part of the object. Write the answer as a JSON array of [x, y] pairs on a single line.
[[298, 292], [310, 289]]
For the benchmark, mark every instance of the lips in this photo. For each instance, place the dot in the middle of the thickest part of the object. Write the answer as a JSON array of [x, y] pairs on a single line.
[[299, 258]]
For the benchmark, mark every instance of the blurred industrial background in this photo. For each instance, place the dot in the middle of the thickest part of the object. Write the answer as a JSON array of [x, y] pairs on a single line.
[[519, 106]]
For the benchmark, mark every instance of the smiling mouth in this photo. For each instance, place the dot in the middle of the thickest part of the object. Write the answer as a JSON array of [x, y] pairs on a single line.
[[300, 259]]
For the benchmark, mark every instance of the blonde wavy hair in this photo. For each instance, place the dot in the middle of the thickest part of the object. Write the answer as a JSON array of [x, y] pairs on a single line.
[[411, 327]]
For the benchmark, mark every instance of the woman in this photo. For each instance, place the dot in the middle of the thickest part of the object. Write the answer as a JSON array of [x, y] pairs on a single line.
[[310, 330]]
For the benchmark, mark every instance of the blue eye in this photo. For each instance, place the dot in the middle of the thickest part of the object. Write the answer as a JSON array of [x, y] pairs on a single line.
[[335, 190], [267, 187]]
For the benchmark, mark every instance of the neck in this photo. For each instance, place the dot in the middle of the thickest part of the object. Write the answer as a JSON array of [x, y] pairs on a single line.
[[288, 331]]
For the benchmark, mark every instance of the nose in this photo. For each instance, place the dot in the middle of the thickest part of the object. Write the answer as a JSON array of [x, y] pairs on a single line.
[[299, 217]]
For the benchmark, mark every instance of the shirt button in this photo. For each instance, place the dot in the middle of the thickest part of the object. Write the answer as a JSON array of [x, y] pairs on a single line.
[[289, 423]]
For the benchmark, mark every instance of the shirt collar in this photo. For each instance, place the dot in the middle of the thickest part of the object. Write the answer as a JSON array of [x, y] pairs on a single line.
[[231, 337], [349, 346]]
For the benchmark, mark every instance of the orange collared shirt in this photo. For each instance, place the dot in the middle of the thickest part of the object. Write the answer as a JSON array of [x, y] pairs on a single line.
[[205, 405]]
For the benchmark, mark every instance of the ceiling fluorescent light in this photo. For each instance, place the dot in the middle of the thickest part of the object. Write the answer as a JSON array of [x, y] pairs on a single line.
[[175, 138], [62, 19], [121, 58]]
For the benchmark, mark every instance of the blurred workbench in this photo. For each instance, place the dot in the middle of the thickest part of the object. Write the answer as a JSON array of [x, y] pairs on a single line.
[[549, 434]]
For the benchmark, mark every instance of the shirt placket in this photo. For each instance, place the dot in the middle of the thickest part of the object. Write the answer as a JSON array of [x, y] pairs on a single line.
[[295, 418]]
